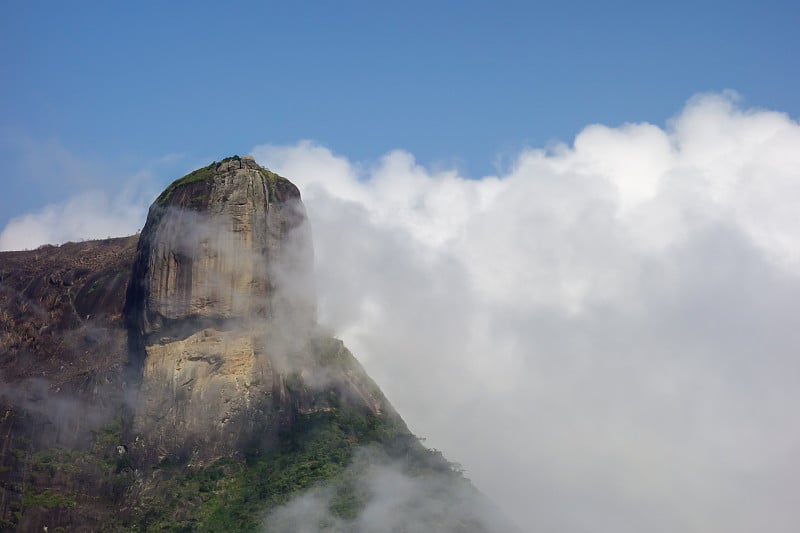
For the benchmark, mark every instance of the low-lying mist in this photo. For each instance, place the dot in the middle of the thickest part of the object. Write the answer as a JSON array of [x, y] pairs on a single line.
[[392, 499]]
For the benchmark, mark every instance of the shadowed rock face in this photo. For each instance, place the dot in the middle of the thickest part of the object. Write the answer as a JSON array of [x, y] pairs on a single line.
[[222, 299]]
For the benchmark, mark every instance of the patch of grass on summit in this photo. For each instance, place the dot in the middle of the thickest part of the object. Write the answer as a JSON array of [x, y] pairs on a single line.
[[200, 174]]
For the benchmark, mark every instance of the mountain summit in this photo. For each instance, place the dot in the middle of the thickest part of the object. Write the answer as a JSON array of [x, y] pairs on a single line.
[[221, 301], [178, 381]]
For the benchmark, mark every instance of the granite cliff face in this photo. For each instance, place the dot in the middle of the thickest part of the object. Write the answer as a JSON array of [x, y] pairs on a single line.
[[213, 245], [222, 301]]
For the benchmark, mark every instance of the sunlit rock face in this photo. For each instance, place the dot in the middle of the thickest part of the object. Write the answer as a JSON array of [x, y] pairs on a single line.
[[221, 301]]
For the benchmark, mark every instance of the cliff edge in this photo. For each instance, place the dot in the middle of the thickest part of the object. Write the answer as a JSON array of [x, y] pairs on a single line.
[[221, 308]]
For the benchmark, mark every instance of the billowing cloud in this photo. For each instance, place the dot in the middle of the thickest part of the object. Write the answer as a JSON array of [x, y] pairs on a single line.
[[603, 334]]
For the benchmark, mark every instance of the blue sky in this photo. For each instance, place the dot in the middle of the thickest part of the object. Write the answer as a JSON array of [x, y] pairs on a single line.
[[458, 84]]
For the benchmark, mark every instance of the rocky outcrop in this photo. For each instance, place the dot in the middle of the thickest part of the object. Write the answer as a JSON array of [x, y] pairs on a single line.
[[191, 341], [136, 374], [222, 302], [202, 296], [215, 244]]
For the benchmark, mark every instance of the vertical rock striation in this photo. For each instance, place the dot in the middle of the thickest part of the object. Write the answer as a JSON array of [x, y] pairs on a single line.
[[215, 243], [221, 304]]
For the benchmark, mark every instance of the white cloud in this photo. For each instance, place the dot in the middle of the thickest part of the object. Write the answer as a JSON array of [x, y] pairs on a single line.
[[393, 500], [109, 202], [602, 335], [92, 214]]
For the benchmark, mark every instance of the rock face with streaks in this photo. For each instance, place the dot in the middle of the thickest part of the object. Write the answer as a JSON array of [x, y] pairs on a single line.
[[222, 303], [214, 245]]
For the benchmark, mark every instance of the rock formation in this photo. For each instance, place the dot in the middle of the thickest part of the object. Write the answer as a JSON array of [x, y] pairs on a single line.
[[222, 299], [184, 385], [213, 246]]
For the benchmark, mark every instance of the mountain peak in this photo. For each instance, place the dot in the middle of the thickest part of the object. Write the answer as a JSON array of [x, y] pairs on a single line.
[[205, 393], [222, 299], [195, 184]]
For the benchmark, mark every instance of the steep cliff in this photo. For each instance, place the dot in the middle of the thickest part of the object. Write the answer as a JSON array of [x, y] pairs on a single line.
[[203, 301], [187, 387], [214, 245]]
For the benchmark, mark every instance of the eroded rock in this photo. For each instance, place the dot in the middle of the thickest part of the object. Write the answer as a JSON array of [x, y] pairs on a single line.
[[224, 262]]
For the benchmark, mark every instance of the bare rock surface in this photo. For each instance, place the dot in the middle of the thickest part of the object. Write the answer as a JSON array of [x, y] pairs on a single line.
[[214, 243], [222, 299]]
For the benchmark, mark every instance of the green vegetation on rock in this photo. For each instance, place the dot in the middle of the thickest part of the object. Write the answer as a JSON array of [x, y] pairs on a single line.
[[201, 174], [48, 499], [233, 494], [62, 480], [272, 181], [204, 173]]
